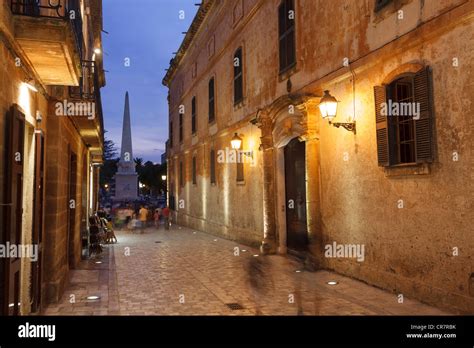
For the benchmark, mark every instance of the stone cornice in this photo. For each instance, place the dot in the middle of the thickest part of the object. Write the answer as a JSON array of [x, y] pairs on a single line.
[[188, 39]]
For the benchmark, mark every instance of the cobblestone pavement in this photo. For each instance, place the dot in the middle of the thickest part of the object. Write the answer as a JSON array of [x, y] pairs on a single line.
[[185, 272]]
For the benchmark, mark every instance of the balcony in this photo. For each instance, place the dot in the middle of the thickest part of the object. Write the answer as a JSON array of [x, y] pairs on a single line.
[[50, 34], [87, 95]]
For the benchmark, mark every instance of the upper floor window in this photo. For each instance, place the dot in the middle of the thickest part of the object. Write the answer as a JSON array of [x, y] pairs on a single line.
[[181, 117], [193, 116], [380, 4], [238, 77], [212, 105], [286, 30], [404, 117]]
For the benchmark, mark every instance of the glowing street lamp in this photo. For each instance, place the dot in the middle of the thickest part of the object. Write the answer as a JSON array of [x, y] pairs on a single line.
[[328, 106], [236, 142]]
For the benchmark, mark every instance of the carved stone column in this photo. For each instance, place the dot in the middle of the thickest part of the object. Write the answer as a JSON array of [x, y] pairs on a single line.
[[269, 244], [313, 204]]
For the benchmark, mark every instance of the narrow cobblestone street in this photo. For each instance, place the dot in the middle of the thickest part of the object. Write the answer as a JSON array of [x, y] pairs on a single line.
[[185, 272]]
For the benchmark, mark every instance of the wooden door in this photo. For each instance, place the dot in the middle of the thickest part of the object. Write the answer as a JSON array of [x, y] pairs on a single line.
[[38, 220], [13, 206], [295, 189]]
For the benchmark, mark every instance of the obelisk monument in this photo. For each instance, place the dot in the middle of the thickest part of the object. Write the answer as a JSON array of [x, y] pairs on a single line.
[[126, 178]]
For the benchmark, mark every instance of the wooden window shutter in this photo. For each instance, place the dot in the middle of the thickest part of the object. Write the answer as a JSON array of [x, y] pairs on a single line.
[[381, 122], [424, 126]]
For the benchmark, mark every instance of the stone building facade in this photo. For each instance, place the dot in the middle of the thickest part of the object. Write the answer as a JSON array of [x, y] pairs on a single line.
[[399, 186], [51, 143]]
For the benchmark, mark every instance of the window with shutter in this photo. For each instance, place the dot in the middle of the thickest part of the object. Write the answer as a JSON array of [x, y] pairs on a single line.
[[424, 125], [286, 31], [212, 106], [238, 77], [381, 127], [404, 120], [193, 116]]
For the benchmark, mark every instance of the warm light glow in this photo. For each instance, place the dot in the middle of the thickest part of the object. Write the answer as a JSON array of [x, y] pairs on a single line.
[[31, 86], [24, 97], [236, 142], [332, 282], [163, 177], [328, 106], [93, 298], [106, 185], [97, 51]]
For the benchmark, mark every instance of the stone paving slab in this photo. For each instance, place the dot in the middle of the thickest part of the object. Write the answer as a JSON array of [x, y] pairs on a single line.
[[185, 272]]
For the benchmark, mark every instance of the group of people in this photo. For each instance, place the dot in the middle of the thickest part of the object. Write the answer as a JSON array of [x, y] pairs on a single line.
[[143, 218], [101, 231]]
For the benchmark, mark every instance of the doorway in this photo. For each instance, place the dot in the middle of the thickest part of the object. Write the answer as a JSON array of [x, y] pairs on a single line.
[[295, 192], [38, 211], [72, 203], [12, 205]]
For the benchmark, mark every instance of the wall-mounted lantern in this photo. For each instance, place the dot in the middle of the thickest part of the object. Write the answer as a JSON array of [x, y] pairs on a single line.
[[163, 177], [236, 142], [328, 108]]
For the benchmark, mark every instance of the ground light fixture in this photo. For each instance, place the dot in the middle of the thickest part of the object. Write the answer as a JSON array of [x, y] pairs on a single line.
[[332, 282], [328, 108], [93, 298], [236, 142]]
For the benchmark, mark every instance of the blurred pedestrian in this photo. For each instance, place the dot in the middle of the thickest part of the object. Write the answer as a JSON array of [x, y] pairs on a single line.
[[156, 217], [143, 217], [166, 217]]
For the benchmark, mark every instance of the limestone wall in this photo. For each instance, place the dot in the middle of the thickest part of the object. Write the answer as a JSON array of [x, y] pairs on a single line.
[[409, 250]]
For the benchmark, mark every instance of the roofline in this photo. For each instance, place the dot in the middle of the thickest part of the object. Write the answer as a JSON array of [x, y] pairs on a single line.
[[188, 39]]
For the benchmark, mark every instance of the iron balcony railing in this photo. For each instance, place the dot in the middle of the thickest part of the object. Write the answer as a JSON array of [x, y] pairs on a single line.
[[88, 84], [55, 9]]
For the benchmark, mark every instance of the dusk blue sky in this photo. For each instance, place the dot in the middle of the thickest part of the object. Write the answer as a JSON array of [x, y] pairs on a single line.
[[147, 32]]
